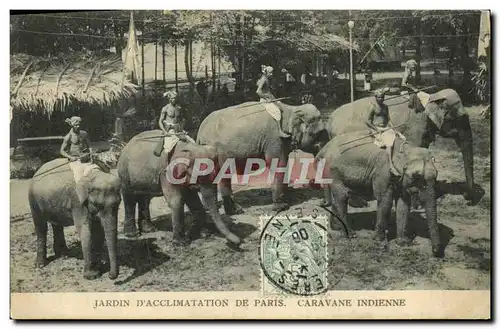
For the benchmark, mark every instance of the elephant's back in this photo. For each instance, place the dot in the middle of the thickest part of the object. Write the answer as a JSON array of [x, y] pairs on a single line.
[[355, 146], [137, 163], [354, 158], [54, 168], [349, 117], [241, 121], [51, 179], [352, 117]]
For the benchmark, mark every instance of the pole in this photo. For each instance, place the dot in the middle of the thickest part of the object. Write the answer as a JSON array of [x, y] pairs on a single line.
[[370, 134], [351, 74], [371, 48]]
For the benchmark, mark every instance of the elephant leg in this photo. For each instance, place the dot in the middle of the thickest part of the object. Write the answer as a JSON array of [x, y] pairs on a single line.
[[327, 197], [193, 201], [97, 244], [84, 229], [144, 220], [279, 188], [384, 194], [60, 247], [341, 199], [129, 228], [41, 240], [402, 214], [175, 202], [230, 206]]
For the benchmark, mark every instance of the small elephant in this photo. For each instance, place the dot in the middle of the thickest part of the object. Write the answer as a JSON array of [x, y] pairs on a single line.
[[53, 199], [144, 177], [358, 167]]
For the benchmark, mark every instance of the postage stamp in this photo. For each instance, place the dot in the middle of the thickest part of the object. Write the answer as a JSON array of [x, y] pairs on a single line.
[[293, 255]]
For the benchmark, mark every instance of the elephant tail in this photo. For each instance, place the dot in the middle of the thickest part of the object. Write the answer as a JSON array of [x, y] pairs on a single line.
[[35, 209]]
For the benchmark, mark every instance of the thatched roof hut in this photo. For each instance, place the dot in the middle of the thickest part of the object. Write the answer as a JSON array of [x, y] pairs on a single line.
[[43, 91], [44, 83]]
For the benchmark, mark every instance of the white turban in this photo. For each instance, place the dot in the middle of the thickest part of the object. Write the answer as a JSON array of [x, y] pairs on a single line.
[[73, 120]]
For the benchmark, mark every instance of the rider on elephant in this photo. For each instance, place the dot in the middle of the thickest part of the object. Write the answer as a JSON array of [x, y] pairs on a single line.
[[171, 122], [264, 92], [76, 148], [379, 121]]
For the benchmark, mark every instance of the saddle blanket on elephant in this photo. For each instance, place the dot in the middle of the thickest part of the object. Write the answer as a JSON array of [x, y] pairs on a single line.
[[169, 142], [81, 169], [272, 109], [386, 137], [424, 98]]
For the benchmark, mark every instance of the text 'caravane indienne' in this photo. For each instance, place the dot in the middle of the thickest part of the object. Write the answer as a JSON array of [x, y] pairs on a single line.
[[245, 303]]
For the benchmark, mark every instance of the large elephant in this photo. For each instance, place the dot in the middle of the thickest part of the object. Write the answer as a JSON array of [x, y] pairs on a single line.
[[248, 131], [444, 115], [143, 177], [53, 199], [356, 166]]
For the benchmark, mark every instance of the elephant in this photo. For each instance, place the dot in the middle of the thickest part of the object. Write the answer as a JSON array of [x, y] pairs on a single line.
[[248, 131], [444, 115], [358, 167], [144, 177], [53, 199]]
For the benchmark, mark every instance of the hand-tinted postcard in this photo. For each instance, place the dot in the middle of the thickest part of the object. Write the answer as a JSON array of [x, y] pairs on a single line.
[[250, 164]]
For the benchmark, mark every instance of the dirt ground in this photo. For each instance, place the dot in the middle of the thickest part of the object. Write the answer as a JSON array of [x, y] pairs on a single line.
[[151, 263]]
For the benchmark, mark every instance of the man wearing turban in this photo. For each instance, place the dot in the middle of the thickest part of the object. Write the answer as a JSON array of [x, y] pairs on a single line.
[[76, 148], [264, 92], [171, 122]]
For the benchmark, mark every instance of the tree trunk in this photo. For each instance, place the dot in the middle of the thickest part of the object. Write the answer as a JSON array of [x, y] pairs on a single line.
[[119, 41], [186, 60], [191, 78], [156, 60], [418, 50], [465, 61], [163, 60], [238, 52], [176, 69], [451, 62], [243, 54]]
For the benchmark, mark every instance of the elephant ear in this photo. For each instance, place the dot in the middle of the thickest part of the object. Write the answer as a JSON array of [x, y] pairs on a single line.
[[296, 123], [182, 170], [415, 103], [436, 113]]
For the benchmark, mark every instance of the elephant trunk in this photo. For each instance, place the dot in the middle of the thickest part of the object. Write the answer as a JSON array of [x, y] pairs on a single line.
[[110, 223], [464, 141], [323, 139], [431, 213], [209, 194]]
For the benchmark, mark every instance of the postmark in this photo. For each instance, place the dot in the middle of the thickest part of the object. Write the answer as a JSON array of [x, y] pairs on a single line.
[[293, 255]]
